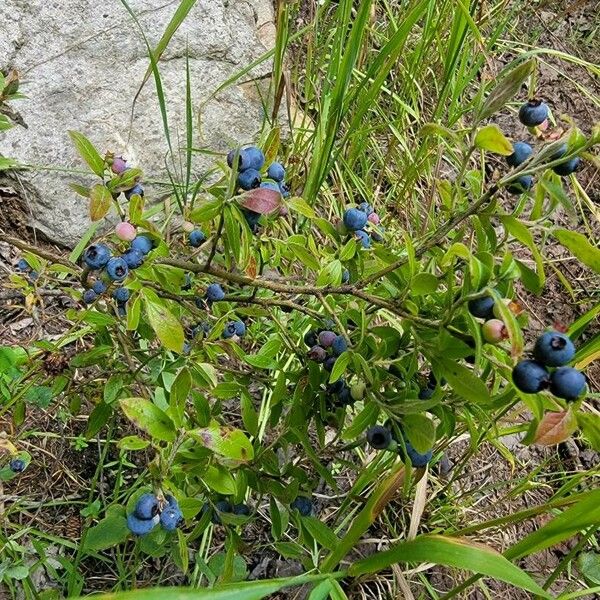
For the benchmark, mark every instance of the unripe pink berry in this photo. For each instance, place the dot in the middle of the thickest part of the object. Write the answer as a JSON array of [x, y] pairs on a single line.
[[544, 125], [374, 218], [283, 211], [494, 331], [125, 231], [119, 165]]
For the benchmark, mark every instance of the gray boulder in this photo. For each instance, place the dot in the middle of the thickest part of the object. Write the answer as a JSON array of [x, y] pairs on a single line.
[[81, 63]]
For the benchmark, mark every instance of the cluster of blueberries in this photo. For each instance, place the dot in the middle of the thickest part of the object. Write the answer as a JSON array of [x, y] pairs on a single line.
[[149, 512], [384, 437], [114, 269], [250, 164], [493, 329], [555, 350], [535, 114], [23, 267], [364, 222]]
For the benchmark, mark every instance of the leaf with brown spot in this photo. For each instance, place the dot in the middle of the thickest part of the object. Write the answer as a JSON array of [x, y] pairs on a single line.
[[229, 443], [262, 201], [555, 427], [100, 200]]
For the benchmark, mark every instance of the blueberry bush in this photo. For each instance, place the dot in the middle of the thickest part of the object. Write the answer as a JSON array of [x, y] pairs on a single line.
[[319, 317]]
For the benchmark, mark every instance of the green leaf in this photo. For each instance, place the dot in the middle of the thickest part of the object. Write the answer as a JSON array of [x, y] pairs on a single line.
[[462, 381], [206, 211], [149, 417], [420, 431], [178, 394], [321, 532], [100, 201], [166, 326], [451, 552], [423, 283], [219, 479], [40, 395], [98, 419], [132, 442], [108, 533], [226, 441], [589, 566], [590, 427], [580, 246], [492, 139], [301, 206], [88, 152], [366, 417]]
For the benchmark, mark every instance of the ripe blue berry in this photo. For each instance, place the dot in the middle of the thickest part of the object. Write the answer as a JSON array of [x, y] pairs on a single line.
[[276, 172], [23, 265], [344, 396], [284, 189], [142, 243], [329, 363], [317, 354], [364, 238], [521, 185], [141, 526], [562, 150], [252, 158], [521, 152], [366, 208], [242, 510], [136, 189], [196, 238], [17, 465], [249, 179], [121, 309], [567, 383], [89, 296], [417, 459], [99, 287], [229, 330], [240, 328], [568, 167], [326, 338], [116, 268], [339, 345], [170, 518], [269, 185], [533, 113], [554, 349], [376, 234], [200, 329], [146, 507], [222, 506], [379, 437], [530, 376], [355, 219], [482, 308], [303, 505], [426, 393], [96, 256], [133, 258], [121, 294], [214, 293], [311, 338]]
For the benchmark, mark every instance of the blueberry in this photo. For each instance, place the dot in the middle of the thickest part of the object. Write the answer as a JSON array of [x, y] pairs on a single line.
[[366, 208], [533, 113], [99, 287], [121, 294], [140, 526], [196, 238], [133, 258], [146, 507], [417, 459], [33, 276], [355, 219], [251, 217], [121, 309], [554, 349], [376, 234], [96, 256], [242, 510], [336, 387], [329, 363], [311, 338], [89, 296], [136, 189], [303, 505], [249, 180], [567, 383], [426, 393], [521, 152], [231, 156], [142, 243], [171, 501], [200, 329], [317, 354], [276, 172], [17, 465], [117, 269], [186, 348], [339, 345], [23, 265], [344, 396], [222, 506], [187, 283], [229, 330], [364, 238], [240, 328], [562, 150], [379, 437], [284, 190], [252, 158], [214, 293], [326, 338], [483, 308], [268, 185], [171, 518], [345, 276], [568, 167], [530, 376], [521, 185]]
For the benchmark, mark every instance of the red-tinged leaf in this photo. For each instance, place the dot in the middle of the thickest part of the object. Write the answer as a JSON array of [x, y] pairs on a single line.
[[555, 427], [262, 200], [100, 200]]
